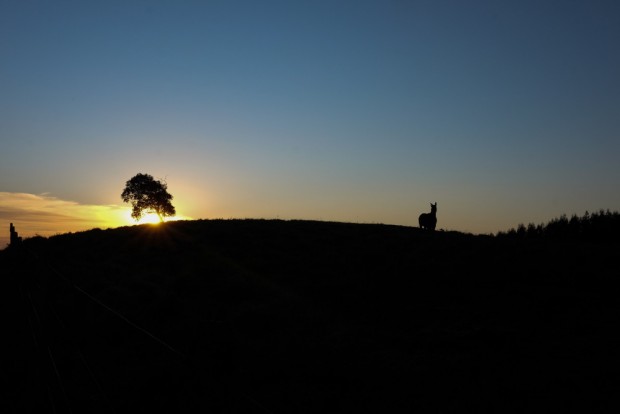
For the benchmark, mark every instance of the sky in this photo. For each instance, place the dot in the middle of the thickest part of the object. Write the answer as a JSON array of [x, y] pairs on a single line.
[[502, 112]]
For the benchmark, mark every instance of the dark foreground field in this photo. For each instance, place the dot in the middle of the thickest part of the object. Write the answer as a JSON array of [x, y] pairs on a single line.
[[257, 316]]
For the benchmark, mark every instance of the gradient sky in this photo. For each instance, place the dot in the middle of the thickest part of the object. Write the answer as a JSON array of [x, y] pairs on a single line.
[[502, 112]]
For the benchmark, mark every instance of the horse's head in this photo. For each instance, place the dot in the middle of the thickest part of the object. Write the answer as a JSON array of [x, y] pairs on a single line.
[[434, 207]]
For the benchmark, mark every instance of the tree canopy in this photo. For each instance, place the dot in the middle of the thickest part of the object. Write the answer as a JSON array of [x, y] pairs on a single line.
[[148, 195]]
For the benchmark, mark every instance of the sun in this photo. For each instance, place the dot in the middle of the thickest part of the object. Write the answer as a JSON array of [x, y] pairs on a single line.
[[151, 218], [147, 218]]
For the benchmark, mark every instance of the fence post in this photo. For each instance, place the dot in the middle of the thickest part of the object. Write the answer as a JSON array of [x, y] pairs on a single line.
[[15, 239]]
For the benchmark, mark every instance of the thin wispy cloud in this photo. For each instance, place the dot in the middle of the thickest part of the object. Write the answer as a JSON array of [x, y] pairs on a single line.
[[46, 215]]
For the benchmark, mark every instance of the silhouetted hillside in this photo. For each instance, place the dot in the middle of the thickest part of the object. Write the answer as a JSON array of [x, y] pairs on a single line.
[[271, 316]]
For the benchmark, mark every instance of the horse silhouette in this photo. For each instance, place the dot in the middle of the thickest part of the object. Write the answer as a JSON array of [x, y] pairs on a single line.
[[429, 220]]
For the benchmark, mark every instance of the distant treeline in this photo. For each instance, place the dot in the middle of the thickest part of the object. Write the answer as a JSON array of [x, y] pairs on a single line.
[[603, 226]]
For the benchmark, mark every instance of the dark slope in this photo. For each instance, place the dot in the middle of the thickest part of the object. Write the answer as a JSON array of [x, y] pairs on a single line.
[[296, 317]]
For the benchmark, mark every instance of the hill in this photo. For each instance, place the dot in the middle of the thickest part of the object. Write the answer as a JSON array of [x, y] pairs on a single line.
[[276, 316]]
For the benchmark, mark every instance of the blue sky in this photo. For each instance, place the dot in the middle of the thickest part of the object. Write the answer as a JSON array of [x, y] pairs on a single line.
[[362, 111]]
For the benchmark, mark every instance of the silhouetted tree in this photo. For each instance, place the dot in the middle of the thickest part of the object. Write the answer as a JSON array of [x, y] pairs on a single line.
[[148, 195], [601, 226]]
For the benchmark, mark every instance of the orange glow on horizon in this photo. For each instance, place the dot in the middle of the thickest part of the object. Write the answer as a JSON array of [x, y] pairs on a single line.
[[45, 215]]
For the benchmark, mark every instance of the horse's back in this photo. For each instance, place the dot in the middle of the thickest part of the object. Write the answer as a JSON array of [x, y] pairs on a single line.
[[422, 220], [427, 221]]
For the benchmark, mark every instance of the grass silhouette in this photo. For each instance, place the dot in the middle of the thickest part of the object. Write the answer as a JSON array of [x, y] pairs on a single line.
[[305, 316]]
